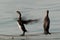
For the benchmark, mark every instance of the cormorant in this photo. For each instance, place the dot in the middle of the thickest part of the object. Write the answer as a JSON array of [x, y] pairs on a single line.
[[21, 22], [46, 25]]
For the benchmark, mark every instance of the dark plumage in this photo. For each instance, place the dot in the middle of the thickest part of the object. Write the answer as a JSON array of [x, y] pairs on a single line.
[[29, 21], [46, 23], [21, 22]]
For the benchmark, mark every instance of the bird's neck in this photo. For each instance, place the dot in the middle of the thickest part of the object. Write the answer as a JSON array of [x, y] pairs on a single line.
[[47, 15], [19, 17]]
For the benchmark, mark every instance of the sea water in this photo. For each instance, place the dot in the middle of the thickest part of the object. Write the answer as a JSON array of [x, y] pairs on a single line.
[[30, 9]]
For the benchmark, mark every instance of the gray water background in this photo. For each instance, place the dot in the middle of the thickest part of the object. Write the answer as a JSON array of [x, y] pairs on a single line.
[[30, 9]]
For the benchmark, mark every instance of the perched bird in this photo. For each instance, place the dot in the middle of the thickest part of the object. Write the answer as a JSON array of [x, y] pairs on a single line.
[[46, 25], [21, 22]]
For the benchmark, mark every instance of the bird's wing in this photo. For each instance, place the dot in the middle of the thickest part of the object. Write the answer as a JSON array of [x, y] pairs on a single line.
[[29, 21]]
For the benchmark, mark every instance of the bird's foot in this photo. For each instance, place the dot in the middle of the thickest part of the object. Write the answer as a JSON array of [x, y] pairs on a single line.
[[47, 33], [22, 35]]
